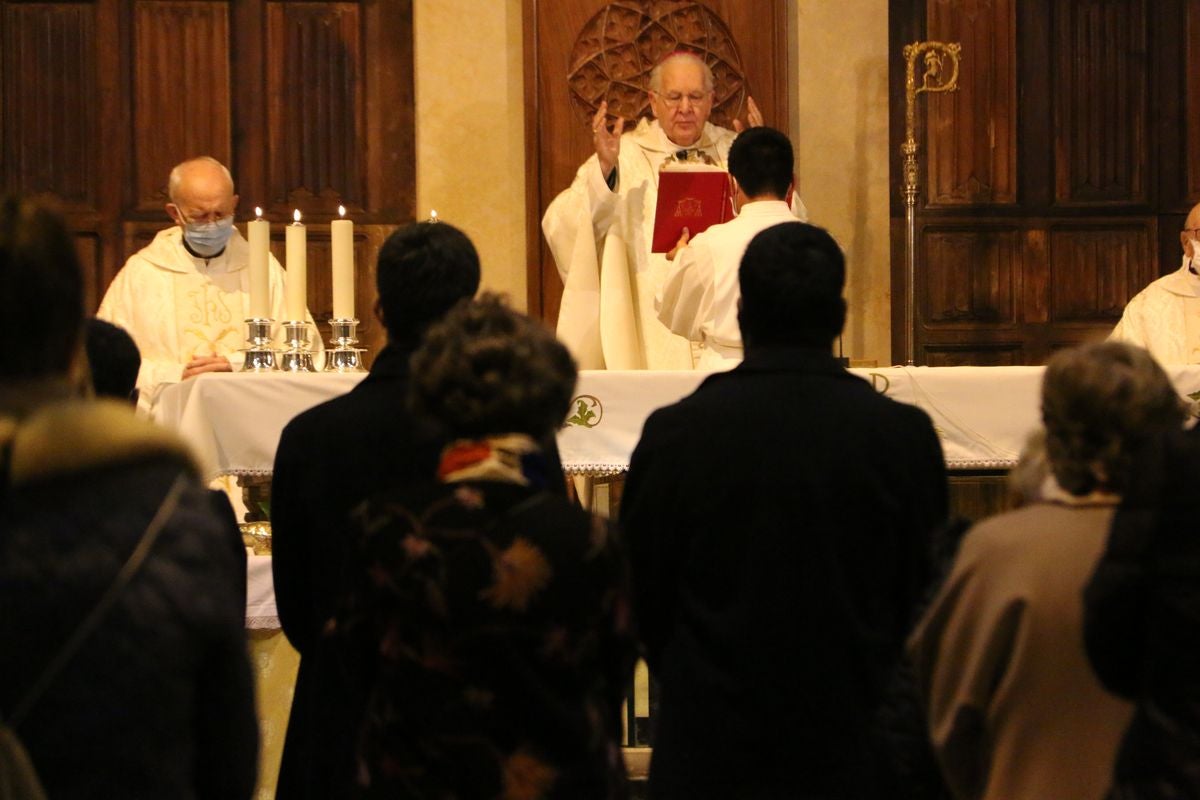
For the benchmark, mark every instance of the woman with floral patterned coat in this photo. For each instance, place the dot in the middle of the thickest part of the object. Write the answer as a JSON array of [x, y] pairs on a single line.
[[491, 616]]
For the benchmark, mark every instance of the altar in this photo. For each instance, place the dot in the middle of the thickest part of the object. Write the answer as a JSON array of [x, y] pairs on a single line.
[[982, 414]]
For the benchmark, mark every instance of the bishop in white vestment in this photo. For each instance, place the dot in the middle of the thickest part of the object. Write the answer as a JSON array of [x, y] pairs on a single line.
[[600, 229]]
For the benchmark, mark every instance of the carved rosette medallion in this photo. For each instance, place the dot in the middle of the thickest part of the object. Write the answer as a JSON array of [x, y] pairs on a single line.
[[615, 51]]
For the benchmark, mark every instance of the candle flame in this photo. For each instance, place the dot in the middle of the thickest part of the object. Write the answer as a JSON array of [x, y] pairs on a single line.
[[341, 211], [258, 212], [296, 216], [433, 217]]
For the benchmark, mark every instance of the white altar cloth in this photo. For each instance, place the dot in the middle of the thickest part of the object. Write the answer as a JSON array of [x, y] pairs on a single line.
[[982, 414], [261, 613], [233, 420]]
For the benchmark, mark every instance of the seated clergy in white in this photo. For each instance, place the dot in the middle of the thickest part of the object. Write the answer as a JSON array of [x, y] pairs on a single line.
[[600, 228], [184, 298], [699, 297], [1164, 317]]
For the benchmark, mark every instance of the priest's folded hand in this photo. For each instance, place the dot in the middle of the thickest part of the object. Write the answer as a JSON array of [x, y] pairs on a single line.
[[200, 364]]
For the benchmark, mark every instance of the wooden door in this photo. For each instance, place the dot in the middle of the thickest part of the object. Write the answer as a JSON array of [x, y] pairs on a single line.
[[1053, 183], [308, 103], [558, 137]]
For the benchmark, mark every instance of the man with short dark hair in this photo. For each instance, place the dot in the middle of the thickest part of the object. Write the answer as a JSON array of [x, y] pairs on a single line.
[[114, 360], [332, 457], [698, 300], [779, 521]]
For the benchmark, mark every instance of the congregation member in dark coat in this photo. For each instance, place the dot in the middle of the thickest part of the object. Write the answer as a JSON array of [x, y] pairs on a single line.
[[157, 700], [493, 614], [1142, 619], [779, 523], [329, 459]]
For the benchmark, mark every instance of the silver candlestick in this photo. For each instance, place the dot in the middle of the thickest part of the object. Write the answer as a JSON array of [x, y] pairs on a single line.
[[259, 355], [298, 356], [343, 356]]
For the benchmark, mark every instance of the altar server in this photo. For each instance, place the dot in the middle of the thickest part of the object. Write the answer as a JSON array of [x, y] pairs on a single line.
[[600, 228], [699, 298]]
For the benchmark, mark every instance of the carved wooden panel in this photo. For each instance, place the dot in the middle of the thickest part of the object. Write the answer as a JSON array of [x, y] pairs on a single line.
[[1105, 127], [315, 106], [999, 355], [1100, 97], [1192, 100], [87, 246], [618, 47], [99, 99], [969, 275], [1095, 270], [973, 131], [48, 113], [181, 106]]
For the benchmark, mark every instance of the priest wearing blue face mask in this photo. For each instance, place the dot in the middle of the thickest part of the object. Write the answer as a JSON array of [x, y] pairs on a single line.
[[185, 296]]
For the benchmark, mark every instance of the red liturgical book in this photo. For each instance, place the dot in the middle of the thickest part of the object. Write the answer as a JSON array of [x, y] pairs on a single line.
[[692, 197]]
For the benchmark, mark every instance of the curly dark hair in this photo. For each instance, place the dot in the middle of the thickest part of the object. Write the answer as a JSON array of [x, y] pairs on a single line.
[[486, 369], [1100, 402]]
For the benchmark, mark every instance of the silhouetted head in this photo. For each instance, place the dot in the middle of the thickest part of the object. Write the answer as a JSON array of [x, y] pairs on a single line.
[[423, 270], [42, 298], [791, 281], [761, 162], [114, 360]]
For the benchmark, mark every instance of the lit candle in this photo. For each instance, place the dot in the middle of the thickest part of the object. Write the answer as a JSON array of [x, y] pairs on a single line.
[[433, 215], [342, 234], [297, 270], [259, 234]]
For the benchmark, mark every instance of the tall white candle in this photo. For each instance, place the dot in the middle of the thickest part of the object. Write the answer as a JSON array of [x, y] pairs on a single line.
[[297, 270], [259, 235], [342, 234]]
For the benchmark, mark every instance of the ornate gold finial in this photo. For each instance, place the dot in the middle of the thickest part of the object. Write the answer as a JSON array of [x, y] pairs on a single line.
[[934, 55]]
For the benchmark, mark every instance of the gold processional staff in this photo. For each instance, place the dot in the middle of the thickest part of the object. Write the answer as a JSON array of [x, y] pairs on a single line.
[[934, 79]]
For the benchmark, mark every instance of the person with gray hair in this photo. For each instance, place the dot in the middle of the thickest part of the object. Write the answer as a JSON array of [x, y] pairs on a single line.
[[607, 215], [184, 297], [1014, 708], [492, 613]]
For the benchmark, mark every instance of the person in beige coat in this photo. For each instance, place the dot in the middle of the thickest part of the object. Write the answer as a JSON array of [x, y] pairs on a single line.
[[1013, 707]]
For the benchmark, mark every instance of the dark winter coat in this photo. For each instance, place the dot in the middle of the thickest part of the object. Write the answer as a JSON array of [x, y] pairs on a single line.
[[779, 523], [159, 701]]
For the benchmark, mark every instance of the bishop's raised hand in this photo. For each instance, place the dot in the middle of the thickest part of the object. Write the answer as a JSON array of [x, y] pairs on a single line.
[[606, 140], [754, 117]]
